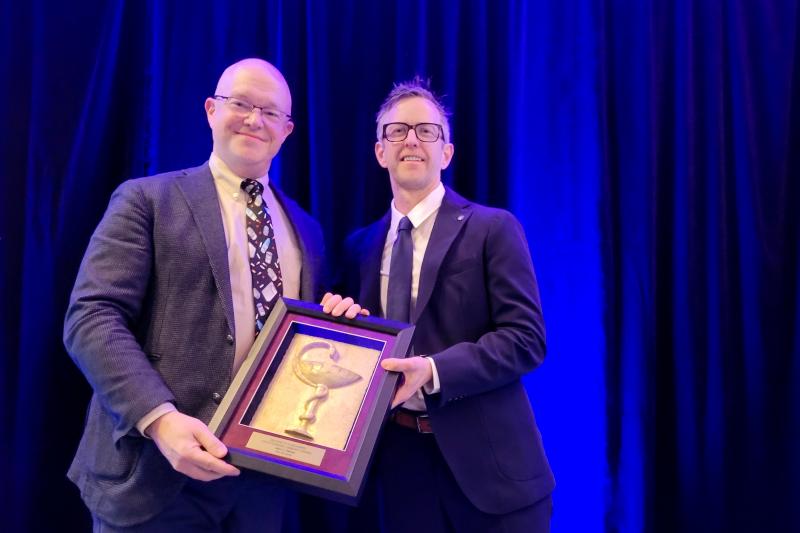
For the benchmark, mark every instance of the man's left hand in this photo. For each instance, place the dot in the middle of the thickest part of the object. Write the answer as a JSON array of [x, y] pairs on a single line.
[[335, 305], [416, 373]]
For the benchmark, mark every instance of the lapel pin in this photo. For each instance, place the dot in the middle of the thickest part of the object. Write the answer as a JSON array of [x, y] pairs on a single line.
[[460, 218]]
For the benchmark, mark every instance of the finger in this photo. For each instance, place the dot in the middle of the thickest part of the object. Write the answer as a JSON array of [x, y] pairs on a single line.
[[342, 306], [210, 442], [331, 302], [212, 453], [222, 468], [353, 311], [198, 473], [401, 395], [204, 460], [395, 401], [364, 312], [325, 298], [394, 364]]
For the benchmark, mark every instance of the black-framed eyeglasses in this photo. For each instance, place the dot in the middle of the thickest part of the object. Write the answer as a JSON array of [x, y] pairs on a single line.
[[425, 131], [244, 108]]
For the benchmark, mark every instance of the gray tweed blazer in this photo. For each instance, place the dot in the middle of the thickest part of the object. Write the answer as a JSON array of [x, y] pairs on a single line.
[[150, 320]]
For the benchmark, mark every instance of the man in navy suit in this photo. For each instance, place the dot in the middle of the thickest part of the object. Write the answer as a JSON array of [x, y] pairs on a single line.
[[462, 452], [171, 292]]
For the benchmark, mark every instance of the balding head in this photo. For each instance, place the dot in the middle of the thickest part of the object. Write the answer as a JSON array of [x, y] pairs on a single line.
[[253, 65], [247, 139]]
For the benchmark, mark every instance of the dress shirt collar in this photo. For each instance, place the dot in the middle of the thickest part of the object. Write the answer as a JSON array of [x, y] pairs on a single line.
[[230, 181], [420, 212]]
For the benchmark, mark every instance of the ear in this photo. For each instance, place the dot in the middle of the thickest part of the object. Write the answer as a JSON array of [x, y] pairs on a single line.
[[379, 154], [211, 107], [447, 155], [289, 127]]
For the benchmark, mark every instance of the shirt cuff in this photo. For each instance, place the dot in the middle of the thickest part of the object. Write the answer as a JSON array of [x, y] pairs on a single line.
[[433, 386], [153, 415]]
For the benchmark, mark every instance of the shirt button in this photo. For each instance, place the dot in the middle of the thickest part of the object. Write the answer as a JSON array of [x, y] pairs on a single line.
[[229, 338], [217, 397]]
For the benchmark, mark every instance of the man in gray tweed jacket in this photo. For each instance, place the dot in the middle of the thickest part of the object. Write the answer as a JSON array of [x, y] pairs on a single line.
[[162, 314]]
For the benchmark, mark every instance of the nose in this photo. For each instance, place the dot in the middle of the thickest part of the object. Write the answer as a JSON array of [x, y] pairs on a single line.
[[254, 118], [409, 140]]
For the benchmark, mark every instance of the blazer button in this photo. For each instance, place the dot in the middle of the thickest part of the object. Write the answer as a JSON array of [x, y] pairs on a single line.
[[229, 338], [217, 397]]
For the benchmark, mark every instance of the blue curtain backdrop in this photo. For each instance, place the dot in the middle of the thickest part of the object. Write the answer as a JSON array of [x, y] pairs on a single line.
[[650, 147]]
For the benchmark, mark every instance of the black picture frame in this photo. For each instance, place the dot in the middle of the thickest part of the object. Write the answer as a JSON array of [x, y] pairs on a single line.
[[291, 410]]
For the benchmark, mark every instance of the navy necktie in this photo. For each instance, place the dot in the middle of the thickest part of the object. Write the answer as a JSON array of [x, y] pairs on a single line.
[[264, 266], [398, 296]]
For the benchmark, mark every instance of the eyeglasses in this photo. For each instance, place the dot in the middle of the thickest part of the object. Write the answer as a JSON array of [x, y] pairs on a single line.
[[425, 131], [243, 109]]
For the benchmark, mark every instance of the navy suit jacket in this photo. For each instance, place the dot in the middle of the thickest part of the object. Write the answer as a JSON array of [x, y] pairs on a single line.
[[478, 315], [150, 321]]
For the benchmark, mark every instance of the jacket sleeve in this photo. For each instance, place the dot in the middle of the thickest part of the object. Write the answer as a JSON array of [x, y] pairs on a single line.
[[106, 307], [514, 341]]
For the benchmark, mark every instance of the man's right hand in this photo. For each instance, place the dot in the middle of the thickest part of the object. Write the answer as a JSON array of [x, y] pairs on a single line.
[[190, 447]]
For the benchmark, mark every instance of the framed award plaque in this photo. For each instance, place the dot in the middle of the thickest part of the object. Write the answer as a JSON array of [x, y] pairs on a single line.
[[309, 400]]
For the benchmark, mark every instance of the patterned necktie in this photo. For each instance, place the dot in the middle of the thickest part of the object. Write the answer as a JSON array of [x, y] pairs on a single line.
[[398, 296], [264, 266]]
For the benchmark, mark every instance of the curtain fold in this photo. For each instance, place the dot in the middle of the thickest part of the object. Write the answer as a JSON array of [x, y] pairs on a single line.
[[649, 148]]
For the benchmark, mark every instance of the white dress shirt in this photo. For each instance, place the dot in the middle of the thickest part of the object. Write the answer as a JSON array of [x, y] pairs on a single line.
[[232, 203], [422, 217]]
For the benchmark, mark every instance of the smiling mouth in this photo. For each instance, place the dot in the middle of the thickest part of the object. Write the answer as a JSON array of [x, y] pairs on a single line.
[[412, 158], [249, 135]]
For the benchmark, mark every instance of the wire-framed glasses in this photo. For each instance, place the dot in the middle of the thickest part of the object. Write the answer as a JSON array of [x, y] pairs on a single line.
[[244, 108]]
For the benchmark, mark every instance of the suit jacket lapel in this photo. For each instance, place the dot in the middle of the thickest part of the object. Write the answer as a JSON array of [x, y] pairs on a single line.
[[370, 262], [296, 218], [450, 220], [201, 196]]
